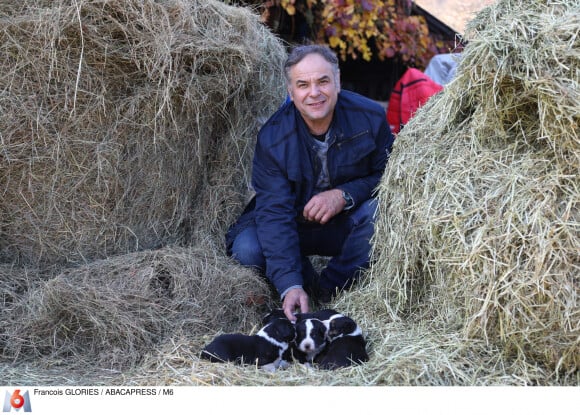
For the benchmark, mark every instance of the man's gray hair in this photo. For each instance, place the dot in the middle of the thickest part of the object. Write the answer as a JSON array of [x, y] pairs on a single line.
[[300, 52]]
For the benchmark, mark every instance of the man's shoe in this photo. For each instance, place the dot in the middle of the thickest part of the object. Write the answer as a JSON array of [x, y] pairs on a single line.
[[321, 295]]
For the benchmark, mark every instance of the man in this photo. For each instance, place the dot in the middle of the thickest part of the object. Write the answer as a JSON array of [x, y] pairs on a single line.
[[317, 162]]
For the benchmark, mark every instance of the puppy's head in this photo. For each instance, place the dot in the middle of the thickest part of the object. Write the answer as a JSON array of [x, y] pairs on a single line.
[[273, 315], [310, 335], [280, 330], [342, 326]]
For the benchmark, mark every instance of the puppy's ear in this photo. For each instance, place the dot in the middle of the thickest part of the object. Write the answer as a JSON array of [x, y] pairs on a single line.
[[299, 318], [343, 325], [322, 330], [273, 315], [329, 311], [284, 330]]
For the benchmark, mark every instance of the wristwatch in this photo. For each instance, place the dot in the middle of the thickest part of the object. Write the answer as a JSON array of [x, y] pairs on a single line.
[[348, 199]]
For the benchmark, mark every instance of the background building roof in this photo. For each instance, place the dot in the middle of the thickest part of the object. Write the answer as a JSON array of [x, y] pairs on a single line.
[[454, 13]]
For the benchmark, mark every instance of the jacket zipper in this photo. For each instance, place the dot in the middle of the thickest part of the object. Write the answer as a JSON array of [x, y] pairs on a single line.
[[339, 144]]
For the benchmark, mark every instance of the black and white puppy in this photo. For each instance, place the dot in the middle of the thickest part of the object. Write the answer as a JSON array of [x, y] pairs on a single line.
[[311, 338], [346, 344], [265, 349], [311, 333], [274, 315]]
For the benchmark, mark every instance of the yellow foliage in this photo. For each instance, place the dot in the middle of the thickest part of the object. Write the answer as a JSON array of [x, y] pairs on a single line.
[[333, 42], [289, 6], [348, 25]]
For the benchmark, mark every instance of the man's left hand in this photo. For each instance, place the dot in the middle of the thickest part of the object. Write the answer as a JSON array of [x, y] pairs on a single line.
[[324, 206]]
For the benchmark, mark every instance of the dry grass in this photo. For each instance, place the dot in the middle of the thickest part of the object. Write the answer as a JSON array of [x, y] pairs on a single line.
[[480, 207], [113, 311], [127, 125]]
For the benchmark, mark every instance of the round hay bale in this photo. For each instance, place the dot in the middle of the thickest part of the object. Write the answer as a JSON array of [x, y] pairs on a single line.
[[479, 216], [113, 312], [127, 124]]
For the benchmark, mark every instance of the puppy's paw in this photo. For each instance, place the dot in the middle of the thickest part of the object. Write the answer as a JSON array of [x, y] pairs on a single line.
[[270, 367]]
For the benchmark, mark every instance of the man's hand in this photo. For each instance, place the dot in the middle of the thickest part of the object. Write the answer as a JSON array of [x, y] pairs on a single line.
[[295, 298], [324, 206]]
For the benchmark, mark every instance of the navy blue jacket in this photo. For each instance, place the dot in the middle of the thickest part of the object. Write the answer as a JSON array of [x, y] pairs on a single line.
[[285, 171]]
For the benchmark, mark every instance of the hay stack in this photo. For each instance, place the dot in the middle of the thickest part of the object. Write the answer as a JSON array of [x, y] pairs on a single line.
[[112, 313], [479, 221], [126, 125]]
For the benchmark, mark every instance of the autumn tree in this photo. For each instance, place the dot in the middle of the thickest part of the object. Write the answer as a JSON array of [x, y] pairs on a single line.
[[361, 29]]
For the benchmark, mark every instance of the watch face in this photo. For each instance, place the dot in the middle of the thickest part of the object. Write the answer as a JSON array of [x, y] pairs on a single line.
[[347, 199]]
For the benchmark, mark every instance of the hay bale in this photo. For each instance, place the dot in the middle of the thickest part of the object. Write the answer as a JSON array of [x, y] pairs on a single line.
[[14, 283], [112, 313], [127, 125], [479, 216]]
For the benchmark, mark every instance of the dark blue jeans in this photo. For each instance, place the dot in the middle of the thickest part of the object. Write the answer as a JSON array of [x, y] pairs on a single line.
[[346, 239]]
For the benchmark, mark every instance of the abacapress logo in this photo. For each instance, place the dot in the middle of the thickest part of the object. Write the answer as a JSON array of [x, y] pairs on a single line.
[[17, 401]]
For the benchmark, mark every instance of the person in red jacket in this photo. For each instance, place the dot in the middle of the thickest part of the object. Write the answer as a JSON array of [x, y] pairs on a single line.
[[410, 92]]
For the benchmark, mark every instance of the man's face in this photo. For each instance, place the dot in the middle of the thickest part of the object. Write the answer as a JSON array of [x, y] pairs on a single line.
[[314, 88]]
